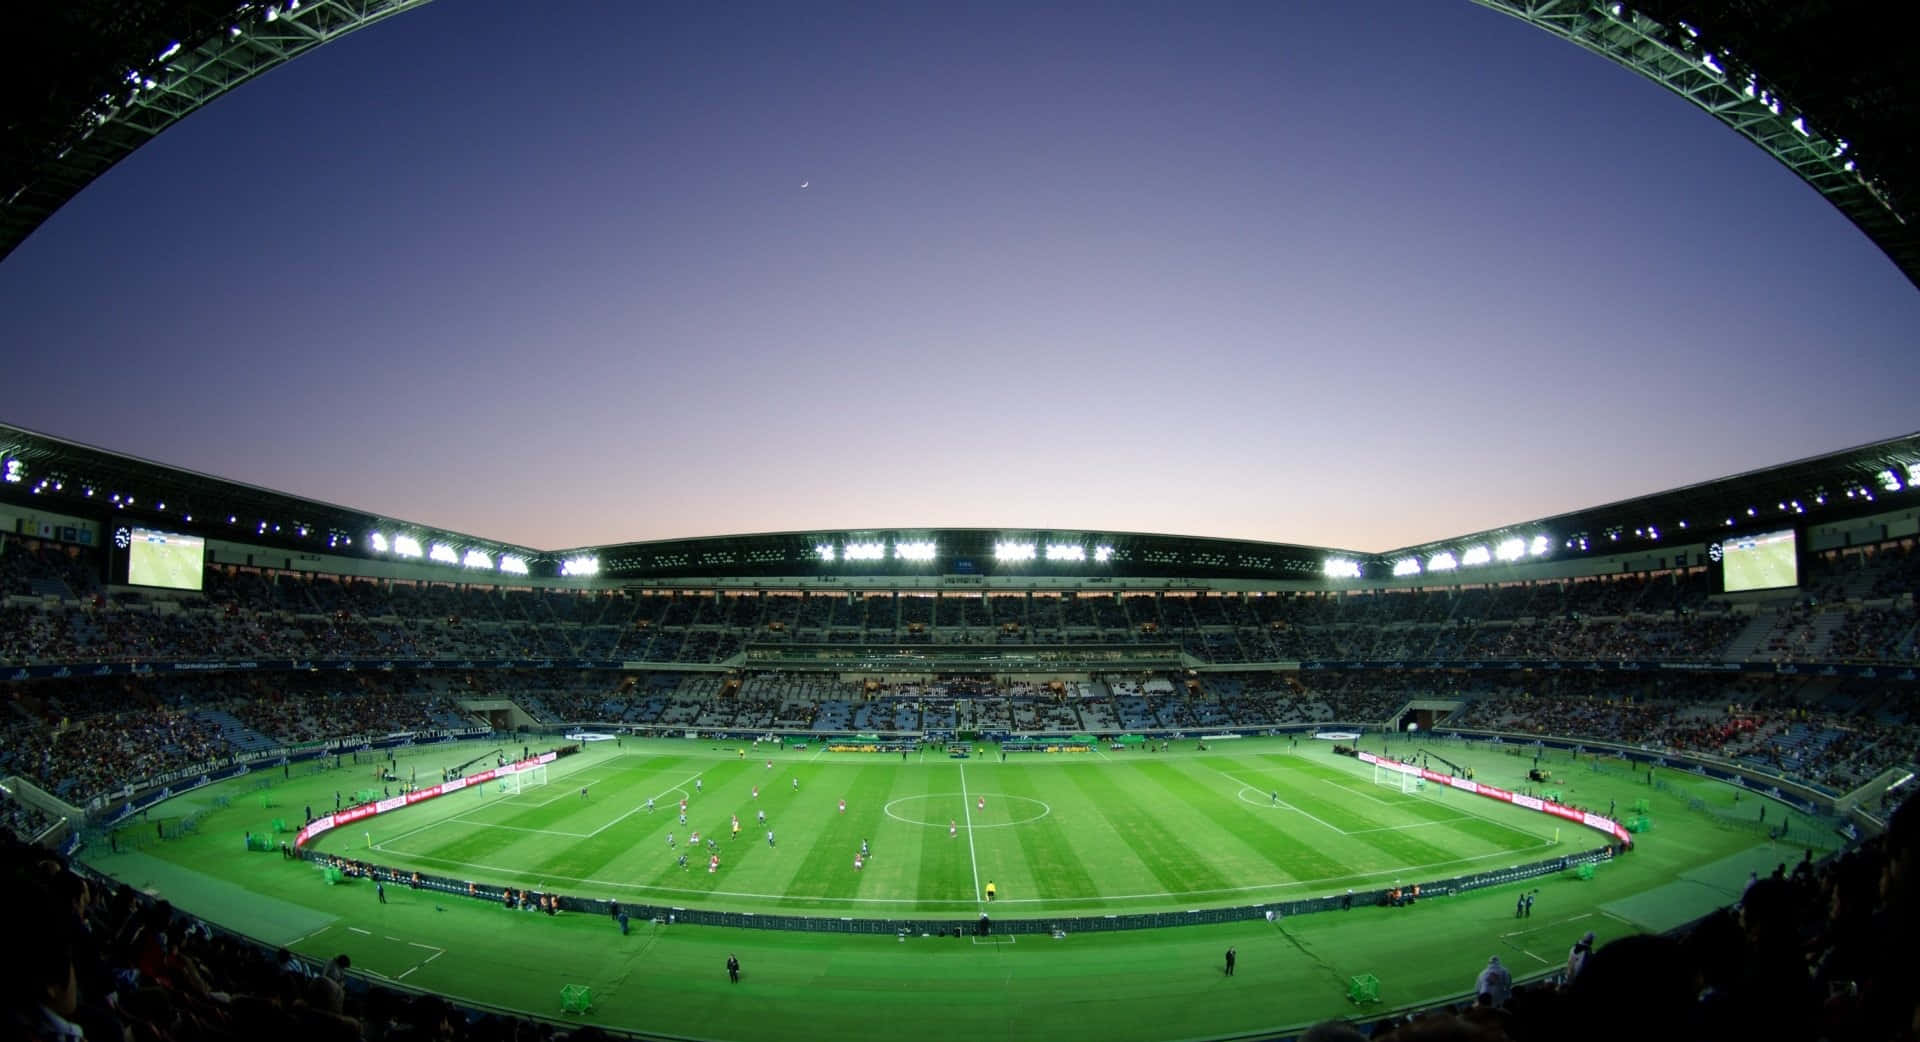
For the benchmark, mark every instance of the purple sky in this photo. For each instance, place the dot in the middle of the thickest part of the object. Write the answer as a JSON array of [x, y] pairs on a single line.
[[1355, 275]]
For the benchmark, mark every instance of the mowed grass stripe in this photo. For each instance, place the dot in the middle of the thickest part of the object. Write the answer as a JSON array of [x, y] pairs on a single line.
[[1095, 839], [827, 872], [1178, 868], [1440, 806], [1054, 866], [1399, 848], [474, 842], [1280, 847]]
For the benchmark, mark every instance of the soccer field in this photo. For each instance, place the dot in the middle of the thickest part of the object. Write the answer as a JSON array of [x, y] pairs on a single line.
[[1102, 833], [1244, 823]]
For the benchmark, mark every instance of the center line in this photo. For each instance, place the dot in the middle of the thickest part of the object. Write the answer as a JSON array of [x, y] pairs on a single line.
[[966, 808]]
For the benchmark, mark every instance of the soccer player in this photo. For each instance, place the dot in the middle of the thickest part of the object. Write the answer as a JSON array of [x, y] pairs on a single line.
[[683, 815], [796, 787], [843, 805], [699, 784], [713, 864], [983, 803], [953, 829], [694, 838], [769, 837], [1275, 797], [669, 840], [991, 892], [683, 804], [683, 861], [763, 817], [863, 849], [756, 792], [858, 862], [649, 805], [736, 828]]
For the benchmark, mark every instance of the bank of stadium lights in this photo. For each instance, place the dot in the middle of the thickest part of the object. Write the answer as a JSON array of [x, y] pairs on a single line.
[[15, 471], [580, 566], [1442, 562], [1890, 481], [868, 551], [512, 565], [1474, 555], [1066, 552], [1410, 566], [1510, 550], [1009, 551], [1340, 568], [476, 559], [825, 552], [921, 550], [406, 546], [443, 553], [1102, 554]]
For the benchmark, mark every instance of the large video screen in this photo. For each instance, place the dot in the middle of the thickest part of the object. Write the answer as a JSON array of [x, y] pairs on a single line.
[[156, 558], [1766, 561]]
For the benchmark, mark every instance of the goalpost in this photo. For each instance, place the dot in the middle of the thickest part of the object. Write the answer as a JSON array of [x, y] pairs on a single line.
[[531, 777], [1393, 779]]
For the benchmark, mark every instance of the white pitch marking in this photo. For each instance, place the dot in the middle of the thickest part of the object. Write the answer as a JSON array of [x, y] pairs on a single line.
[[638, 807], [410, 969], [357, 930], [1293, 885], [1282, 803], [966, 808]]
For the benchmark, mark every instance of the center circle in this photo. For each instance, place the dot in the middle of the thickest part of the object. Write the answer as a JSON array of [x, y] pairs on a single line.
[[903, 809]]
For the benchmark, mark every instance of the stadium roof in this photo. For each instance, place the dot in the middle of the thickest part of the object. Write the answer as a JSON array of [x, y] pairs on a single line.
[[112, 488], [1822, 86]]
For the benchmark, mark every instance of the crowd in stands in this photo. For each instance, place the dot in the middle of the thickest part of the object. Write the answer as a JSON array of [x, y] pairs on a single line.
[[1811, 951], [1856, 606], [106, 962]]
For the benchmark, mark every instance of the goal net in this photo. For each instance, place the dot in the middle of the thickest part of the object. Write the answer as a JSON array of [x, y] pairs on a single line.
[[523, 779], [1394, 779]]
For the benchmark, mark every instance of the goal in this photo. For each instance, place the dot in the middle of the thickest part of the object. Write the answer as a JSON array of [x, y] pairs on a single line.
[[525, 778], [1393, 778]]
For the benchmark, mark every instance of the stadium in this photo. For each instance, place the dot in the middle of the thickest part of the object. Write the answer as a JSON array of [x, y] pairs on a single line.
[[281, 765]]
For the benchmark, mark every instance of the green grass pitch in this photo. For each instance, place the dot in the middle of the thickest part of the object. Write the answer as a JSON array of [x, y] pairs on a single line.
[[1246, 822]]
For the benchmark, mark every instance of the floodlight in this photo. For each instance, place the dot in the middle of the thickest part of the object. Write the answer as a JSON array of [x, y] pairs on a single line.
[[580, 566], [406, 546], [513, 565], [1410, 566], [1890, 481], [923, 550], [378, 542], [1340, 568], [172, 49], [476, 559], [1013, 551], [1510, 549], [824, 551], [1059, 552], [1442, 562], [16, 471], [1102, 554], [1539, 546], [1476, 555], [443, 553], [1913, 474], [873, 551]]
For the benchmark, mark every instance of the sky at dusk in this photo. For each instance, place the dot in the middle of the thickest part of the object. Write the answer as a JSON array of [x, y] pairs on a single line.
[[1350, 275]]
